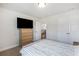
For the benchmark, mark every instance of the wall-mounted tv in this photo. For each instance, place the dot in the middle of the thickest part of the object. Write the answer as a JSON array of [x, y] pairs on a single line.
[[24, 23]]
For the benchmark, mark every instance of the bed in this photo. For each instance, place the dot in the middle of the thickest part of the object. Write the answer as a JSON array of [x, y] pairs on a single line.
[[47, 47]]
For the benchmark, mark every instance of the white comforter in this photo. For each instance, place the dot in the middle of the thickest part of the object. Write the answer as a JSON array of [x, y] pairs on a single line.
[[47, 48]]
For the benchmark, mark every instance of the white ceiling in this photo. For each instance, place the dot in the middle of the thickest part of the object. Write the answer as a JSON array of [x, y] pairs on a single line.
[[33, 10]]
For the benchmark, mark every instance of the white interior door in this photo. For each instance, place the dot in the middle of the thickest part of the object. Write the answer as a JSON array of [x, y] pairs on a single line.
[[75, 28], [38, 31], [63, 30]]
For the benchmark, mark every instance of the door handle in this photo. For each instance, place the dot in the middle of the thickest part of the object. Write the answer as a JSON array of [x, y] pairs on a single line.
[[67, 33]]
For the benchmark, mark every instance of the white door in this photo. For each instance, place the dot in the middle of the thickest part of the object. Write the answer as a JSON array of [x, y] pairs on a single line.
[[38, 31], [74, 28], [63, 30]]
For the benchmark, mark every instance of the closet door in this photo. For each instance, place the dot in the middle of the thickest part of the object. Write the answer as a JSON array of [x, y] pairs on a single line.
[[63, 30], [38, 31], [74, 28]]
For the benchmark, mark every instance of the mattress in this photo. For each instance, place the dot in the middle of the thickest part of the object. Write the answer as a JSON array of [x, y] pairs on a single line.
[[47, 48]]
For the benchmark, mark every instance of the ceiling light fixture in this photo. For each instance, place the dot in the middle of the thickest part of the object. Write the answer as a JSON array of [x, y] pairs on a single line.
[[41, 5]]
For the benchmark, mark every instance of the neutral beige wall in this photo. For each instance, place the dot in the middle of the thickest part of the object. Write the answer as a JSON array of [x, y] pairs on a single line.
[[9, 34]]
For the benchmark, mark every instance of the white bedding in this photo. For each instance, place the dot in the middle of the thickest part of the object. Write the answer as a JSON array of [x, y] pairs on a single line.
[[47, 48]]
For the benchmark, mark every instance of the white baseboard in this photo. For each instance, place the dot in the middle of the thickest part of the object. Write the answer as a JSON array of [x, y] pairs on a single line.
[[5, 48]]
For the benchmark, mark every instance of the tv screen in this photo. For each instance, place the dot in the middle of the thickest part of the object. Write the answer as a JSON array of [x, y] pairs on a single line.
[[24, 23]]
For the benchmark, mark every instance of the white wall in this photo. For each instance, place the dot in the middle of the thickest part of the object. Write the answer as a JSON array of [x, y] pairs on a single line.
[[51, 22], [60, 24], [9, 34]]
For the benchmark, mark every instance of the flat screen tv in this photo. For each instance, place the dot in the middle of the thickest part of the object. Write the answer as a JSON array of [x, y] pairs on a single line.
[[24, 23]]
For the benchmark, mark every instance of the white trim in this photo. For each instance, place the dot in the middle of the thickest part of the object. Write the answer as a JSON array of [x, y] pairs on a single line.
[[5, 48]]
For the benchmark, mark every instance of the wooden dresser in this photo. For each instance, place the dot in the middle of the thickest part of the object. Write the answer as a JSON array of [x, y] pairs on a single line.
[[26, 36]]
